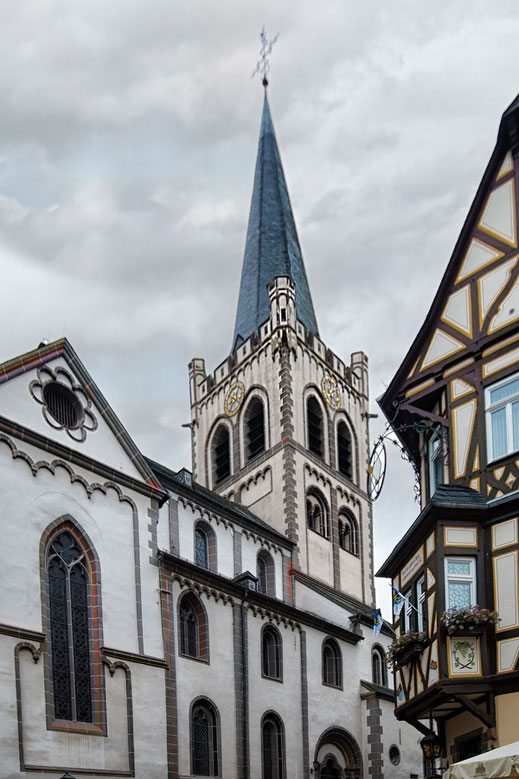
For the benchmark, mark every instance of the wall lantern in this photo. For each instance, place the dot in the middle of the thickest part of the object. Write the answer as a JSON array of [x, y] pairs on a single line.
[[431, 748]]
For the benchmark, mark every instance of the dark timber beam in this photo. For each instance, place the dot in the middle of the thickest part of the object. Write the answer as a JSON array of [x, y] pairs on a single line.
[[482, 715]]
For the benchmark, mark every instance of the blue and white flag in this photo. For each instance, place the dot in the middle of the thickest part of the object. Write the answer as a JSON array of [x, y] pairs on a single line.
[[398, 601], [377, 622]]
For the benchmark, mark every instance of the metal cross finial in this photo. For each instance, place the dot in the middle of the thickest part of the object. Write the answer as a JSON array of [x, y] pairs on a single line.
[[263, 64]]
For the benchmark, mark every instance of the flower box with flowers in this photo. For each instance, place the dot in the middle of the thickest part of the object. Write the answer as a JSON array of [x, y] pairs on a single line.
[[471, 621], [406, 648]]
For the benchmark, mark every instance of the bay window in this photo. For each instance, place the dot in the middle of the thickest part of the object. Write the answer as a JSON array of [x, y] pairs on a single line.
[[502, 417]]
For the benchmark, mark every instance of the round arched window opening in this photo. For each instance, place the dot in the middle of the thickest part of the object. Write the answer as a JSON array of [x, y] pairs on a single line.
[[394, 754], [63, 405]]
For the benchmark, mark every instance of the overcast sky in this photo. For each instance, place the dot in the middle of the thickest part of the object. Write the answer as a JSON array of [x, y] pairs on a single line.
[[128, 137]]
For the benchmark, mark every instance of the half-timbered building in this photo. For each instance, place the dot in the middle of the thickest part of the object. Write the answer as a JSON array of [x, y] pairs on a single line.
[[454, 405]]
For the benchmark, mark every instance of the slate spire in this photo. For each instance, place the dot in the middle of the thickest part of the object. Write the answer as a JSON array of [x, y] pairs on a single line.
[[272, 247]]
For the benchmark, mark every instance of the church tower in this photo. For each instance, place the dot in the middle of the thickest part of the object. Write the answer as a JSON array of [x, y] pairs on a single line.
[[281, 426]]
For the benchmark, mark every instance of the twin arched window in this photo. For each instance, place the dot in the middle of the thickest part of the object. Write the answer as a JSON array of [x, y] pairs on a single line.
[[221, 454], [379, 666], [273, 747], [193, 628], [332, 663], [205, 748], [348, 532], [69, 583], [271, 653], [266, 574], [317, 513]]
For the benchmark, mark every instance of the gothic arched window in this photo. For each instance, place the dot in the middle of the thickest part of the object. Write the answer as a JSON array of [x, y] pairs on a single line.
[[317, 513], [378, 666], [344, 450], [314, 425], [221, 454], [348, 532], [69, 585], [193, 627], [205, 758], [266, 573], [332, 663], [255, 428], [271, 652], [273, 747], [205, 546]]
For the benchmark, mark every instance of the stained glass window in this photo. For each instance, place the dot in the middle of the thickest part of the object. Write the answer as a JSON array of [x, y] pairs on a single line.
[[201, 548], [271, 651], [204, 740], [68, 577], [332, 663], [460, 582], [193, 628], [272, 747], [265, 573]]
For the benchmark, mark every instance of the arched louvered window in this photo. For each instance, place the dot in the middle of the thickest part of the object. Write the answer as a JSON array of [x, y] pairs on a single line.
[[273, 747], [205, 546], [348, 533], [332, 663], [271, 652], [221, 453], [266, 573], [314, 424], [317, 513], [378, 666], [68, 586], [344, 450], [193, 627], [255, 428], [205, 758]]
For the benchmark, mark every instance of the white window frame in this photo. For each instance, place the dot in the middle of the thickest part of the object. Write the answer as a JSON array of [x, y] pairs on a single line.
[[432, 456], [421, 598], [491, 408], [471, 578], [407, 610]]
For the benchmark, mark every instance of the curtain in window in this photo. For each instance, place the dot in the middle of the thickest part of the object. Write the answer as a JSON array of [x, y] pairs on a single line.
[[499, 447]]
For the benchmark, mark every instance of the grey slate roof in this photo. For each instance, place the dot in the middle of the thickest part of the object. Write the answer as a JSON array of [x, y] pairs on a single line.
[[272, 247], [451, 493]]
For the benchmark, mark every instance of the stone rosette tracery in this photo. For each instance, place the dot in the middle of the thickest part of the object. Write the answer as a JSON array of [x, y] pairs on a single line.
[[86, 422]]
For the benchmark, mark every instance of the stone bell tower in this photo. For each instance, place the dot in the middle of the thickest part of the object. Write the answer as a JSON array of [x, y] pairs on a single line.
[[281, 425]]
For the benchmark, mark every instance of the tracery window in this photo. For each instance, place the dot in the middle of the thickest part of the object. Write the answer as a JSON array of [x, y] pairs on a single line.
[[69, 582], [317, 513], [344, 450], [266, 573], [204, 740], [314, 424], [378, 666], [332, 663], [221, 454], [193, 628], [255, 428], [273, 747], [271, 652], [348, 532]]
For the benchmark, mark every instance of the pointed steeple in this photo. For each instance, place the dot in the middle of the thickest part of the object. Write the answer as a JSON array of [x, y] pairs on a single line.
[[272, 247]]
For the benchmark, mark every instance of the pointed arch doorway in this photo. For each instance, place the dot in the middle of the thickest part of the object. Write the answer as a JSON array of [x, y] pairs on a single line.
[[337, 755]]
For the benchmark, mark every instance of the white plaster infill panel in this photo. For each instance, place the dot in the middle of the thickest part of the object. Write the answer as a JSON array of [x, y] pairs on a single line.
[[460, 388], [507, 654], [411, 567], [508, 310], [429, 545], [504, 534], [492, 284], [493, 366], [461, 536], [442, 345], [506, 595], [458, 311], [498, 218], [463, 423], [464, 656], [506, 166], [478, 256], [18, 405]]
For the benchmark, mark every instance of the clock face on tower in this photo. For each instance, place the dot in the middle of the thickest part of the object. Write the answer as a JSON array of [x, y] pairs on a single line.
[[331, 392], [234, 398]]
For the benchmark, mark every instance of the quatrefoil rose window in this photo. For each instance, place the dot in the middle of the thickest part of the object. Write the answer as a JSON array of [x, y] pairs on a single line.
[[65, 404]]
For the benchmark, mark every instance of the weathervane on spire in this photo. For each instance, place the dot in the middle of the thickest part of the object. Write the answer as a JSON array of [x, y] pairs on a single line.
[[263, 64]]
